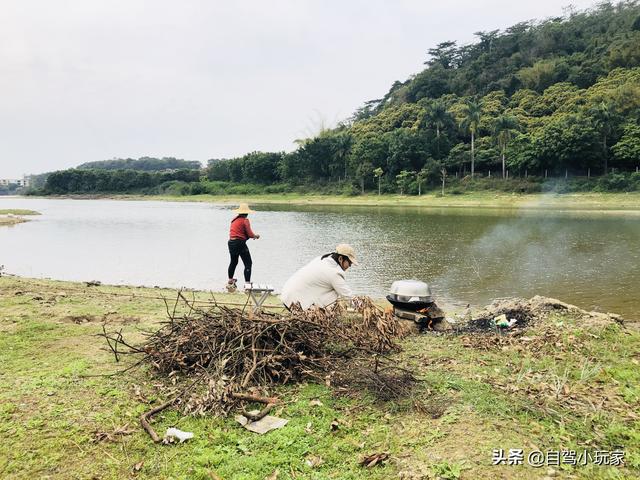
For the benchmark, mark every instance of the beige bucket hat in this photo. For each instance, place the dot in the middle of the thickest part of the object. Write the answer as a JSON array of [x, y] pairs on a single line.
[[347, 251], [243, 208]]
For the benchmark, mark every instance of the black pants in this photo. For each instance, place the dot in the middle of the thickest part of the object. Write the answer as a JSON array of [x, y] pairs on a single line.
[[238, 248]]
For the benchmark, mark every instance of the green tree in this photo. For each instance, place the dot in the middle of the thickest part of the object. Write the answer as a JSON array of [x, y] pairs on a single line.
[[471, 121], [364, 171], [421, 177], [261, 167], [503, 128], [444, 54], [403, 179], [342, 147], [437, 116], [372, 147], [567, 141], [604, 120], [443, 177], [627, 150], [316, 158], [407, 150], [378, 174], [540, 75]]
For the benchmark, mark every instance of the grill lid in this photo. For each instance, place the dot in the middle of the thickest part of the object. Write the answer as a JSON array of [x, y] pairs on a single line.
[[410, 291]]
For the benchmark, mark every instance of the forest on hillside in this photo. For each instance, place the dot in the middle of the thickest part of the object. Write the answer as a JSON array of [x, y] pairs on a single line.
[[539, 101], [551, 98], [145, 164]]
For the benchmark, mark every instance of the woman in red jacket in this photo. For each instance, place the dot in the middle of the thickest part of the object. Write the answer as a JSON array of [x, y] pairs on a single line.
[[239, 233]]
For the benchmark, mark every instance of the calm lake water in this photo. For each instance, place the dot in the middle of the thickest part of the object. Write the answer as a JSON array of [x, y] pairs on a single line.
[[468, 255]]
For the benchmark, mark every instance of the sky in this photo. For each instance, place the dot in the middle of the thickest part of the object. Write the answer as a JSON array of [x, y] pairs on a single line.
[[86, 80]]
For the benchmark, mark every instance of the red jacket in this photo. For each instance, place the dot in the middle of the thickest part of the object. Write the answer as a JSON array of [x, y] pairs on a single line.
[[241, 229]]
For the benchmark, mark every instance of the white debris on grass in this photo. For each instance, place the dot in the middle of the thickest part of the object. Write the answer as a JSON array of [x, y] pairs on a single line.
[[179, 434]]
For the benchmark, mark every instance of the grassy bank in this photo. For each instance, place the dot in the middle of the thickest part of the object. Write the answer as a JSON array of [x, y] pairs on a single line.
[[564, 385], [7, 221], [570, 201], [14, 216], [17, 211]]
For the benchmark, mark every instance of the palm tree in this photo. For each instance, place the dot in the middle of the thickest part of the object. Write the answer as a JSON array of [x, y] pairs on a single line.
[[471, 123], [378, 174], [503, 126], [437, 116], [421, 176], [342, 148]]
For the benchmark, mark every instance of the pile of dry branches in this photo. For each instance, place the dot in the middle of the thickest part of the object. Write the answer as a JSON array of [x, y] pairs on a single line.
[[224, 356]]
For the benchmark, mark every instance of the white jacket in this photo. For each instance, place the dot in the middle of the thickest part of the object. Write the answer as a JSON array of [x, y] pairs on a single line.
[[321, 282]]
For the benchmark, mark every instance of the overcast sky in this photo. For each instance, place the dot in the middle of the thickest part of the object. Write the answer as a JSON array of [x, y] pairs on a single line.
[[86, 80]]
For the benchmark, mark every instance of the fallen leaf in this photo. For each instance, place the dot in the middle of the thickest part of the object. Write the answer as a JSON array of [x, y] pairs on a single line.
[[138, 393], [374, 459], [111, 437], [313, 461], [138, 466], [316, 403], [102, 436]]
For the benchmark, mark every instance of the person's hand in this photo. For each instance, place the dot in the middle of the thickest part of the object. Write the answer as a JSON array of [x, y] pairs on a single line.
[[257, 236]]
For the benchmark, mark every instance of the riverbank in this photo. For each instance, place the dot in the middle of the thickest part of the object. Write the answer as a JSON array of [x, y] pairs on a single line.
[[6, 221], [569, 201], [564, 384], [15, 216]]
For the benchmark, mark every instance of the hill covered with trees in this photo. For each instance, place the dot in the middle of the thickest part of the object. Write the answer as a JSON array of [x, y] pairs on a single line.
[[551, 104], [146, 174], [145, 164], [559, 97]]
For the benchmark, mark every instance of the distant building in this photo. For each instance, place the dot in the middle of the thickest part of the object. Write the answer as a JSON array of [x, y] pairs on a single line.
[[24, 182]]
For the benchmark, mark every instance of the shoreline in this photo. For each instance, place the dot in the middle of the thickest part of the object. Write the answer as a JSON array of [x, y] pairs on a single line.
[[10, 221], [605, 202], [222, 297], [9, 217]]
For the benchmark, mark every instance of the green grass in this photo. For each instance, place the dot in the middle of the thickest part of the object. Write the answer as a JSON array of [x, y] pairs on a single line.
[[471, 400], [629, 202], [17, 211]]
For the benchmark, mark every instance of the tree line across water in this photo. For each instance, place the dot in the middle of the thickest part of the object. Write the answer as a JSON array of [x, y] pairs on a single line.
[[541, 105]]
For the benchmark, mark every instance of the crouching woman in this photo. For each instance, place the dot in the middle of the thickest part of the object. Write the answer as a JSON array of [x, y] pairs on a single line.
[[322, 281]]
